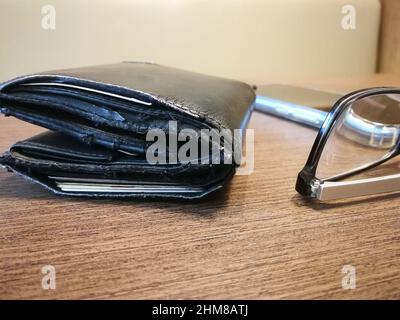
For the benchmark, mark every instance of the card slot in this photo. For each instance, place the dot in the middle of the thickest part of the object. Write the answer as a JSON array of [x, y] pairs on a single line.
[[79, 129]]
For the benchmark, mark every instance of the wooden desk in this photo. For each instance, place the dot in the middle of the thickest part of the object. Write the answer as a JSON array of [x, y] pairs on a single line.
[[259, 240]]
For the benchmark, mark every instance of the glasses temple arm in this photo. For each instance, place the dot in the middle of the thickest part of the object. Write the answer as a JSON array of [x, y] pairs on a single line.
[[355, 128], [347, 189], [290, 111]]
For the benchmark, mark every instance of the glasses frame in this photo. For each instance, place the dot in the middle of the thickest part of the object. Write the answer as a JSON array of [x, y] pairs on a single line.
[[329, 189]]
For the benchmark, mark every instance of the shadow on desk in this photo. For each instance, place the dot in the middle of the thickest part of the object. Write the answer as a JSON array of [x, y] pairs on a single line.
[[319, 205]]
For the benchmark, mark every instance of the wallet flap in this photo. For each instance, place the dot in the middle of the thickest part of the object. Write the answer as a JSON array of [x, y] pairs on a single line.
[[221, 102]]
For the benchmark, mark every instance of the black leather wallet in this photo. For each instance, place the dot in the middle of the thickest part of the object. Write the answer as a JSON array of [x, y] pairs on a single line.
[[98, 118]]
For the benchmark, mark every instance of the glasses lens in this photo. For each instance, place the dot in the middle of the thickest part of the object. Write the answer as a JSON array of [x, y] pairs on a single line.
[[366, 132]]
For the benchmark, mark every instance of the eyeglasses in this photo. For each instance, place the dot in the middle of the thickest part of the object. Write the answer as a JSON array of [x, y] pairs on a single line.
[[360, 132]]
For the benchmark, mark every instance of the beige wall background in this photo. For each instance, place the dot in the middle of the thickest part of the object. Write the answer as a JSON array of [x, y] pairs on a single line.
[[250, 40]]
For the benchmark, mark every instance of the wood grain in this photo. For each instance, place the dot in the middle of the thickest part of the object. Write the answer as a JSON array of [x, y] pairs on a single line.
[[256, 240]]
